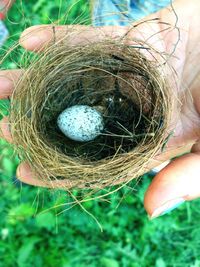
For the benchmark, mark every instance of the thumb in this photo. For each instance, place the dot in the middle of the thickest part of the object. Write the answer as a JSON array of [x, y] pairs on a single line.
[[178, 182]]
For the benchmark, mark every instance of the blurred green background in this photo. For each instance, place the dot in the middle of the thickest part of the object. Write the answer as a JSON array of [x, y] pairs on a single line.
[[31, 234]]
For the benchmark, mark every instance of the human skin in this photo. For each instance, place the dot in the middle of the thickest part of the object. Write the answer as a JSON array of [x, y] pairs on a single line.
[[4, 7], [179, 179]]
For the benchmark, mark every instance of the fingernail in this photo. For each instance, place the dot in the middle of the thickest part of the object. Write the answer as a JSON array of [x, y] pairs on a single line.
[[167, 207]]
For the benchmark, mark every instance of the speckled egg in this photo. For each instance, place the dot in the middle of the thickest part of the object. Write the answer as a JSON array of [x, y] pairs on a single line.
[[81, 123]]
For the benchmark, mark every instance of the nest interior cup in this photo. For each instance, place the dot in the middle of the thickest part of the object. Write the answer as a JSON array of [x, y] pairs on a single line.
[[116, 80]]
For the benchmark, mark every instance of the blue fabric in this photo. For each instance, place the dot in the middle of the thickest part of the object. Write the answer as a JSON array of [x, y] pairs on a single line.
[[3, 33], [123, 12]]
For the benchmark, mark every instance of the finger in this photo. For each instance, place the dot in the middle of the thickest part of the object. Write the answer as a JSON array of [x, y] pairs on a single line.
[[38, 37], [168, 154], [8, 79], [26, 175], [177, 182], [4, 130], [5, 6]]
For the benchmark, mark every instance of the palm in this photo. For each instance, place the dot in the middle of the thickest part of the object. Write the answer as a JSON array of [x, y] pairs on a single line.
[[179, 42]]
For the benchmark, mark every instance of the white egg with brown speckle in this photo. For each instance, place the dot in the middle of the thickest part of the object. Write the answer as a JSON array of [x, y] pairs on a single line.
[[81, 123]]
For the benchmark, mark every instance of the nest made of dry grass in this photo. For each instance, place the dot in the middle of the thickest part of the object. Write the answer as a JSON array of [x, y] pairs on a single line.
[[129, 90]]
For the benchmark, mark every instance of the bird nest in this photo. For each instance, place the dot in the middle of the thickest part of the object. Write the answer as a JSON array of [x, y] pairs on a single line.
[[119, 81]]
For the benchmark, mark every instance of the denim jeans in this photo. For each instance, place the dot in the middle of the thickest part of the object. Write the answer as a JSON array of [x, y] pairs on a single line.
[[123, 12], [3, 33]]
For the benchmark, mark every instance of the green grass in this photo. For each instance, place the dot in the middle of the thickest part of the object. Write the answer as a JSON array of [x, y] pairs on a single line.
[[73, 238]]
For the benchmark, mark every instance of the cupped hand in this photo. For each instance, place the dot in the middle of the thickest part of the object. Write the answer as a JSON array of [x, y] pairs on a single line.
[[179, 181]]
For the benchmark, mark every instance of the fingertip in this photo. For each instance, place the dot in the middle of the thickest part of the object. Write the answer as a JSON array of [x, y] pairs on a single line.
[[23, 169], [25, 174], [177, 182], [36, 37]]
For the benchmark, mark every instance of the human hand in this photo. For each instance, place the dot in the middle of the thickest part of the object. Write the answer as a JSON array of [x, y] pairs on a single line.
[[4, 7], [179, 180]]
